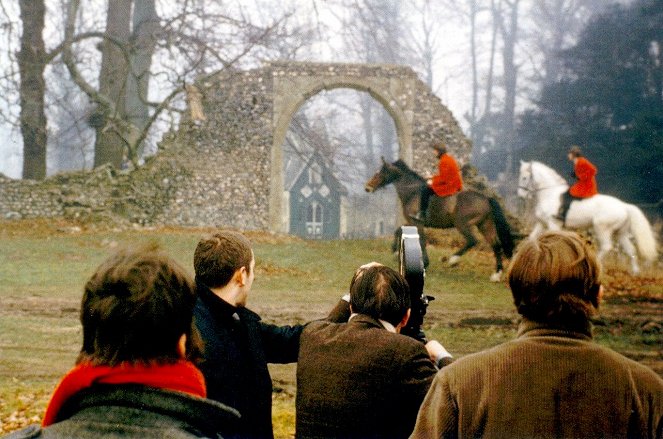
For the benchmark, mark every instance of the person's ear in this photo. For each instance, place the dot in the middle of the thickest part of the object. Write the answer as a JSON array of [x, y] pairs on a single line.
[[181, 346], [596, 295], [406, 318], [241, 275]]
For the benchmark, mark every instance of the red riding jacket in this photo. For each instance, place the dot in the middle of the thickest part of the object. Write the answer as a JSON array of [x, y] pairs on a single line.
[[448, 180], [586, 185]]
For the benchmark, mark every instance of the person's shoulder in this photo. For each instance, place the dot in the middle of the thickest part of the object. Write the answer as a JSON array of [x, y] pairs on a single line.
[[640, 373], [320, 325], [29, 432], [159, 409], [483, 360], [247, 314]]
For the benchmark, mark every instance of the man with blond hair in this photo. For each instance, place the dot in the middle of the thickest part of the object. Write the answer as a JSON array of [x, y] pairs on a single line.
[[552, 381]]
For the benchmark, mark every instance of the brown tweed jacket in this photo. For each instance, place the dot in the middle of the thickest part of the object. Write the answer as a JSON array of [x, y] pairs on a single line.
[[358, 380], [547, 383]]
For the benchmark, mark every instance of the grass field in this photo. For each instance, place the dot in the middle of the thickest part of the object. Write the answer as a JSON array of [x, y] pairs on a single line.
[[43, 266]]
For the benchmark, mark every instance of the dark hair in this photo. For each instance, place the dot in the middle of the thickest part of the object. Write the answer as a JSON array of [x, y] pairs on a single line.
[[381, 293], [575, 151], [135, 308], [219, 256], [554, 278], [440, 147]]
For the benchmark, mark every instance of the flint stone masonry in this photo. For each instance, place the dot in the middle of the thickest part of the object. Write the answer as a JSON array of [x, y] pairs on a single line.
[[227, 170]]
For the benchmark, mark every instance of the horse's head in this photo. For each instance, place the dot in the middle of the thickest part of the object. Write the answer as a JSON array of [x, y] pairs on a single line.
[[535, 177], [387, 174], [525, 180]]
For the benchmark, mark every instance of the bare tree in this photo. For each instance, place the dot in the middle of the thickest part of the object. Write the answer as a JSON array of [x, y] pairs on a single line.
[[556, 25], [506, 15], [146, 63], [146, 28], [32, 62], [424, 39], [113, 78]]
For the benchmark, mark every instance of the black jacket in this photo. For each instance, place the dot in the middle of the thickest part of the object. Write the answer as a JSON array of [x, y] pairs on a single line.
[[135, 411], [237, 348]]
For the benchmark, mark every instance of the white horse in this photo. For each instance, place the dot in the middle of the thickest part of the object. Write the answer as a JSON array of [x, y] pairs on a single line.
[[606, 215]]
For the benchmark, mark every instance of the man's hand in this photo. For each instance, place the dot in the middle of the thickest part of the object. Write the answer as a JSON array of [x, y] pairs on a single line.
[[436, 351]]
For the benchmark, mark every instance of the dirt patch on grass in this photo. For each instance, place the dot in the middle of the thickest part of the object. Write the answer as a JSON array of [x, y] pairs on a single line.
[[39, 306], [267, 268], [41, 227]]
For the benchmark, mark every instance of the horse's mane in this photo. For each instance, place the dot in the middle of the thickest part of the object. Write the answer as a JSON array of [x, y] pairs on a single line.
[[545, 168], [405, 169]]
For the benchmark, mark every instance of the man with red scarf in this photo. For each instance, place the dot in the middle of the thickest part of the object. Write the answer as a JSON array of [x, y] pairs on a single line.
[[134, 377], [584, 187], [445, 183]]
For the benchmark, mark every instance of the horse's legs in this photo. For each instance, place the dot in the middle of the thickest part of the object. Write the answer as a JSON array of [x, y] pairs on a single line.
[[537, 229], [487, 229], [552, 224], [604, 237], [397, 240], [470, 241], [629, 249], [422, 242]]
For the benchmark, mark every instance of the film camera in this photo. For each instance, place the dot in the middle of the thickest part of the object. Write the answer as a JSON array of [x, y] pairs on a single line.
[[411, 267]]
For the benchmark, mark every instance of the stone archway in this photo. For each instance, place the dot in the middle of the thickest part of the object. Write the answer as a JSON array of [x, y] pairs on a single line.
[[262, 102], [291, 92]]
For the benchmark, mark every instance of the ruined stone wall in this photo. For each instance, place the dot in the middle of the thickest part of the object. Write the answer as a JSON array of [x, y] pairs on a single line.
[[434, 122], [101, 195], [220, 171]]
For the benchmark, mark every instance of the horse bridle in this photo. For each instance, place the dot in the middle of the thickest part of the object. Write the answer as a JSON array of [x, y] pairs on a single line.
[[532, 186]]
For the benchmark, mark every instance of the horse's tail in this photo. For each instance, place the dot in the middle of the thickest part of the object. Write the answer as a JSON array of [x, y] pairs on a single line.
[[502, 226], [642, 232]]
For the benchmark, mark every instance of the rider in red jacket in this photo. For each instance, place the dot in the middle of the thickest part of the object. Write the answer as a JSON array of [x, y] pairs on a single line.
[[447, 182], [584, 187]]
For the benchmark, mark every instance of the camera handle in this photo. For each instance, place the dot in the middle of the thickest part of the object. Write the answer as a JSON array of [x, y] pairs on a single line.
[[411, 267]]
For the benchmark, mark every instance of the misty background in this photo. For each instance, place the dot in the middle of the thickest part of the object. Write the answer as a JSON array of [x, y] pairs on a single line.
[[88, 82]]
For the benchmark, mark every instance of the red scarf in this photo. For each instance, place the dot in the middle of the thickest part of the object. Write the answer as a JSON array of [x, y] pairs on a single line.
[[182, 376]]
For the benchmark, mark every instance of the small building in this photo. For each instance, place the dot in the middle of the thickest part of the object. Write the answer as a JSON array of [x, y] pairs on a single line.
[[315, 200]]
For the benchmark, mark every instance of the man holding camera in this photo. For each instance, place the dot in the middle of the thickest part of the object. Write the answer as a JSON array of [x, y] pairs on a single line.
[[362, 378]]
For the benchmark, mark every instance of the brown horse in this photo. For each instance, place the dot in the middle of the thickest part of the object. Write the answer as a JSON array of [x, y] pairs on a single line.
[[471, 209]]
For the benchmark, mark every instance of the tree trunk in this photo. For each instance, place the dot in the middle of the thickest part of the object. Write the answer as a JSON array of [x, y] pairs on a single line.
[[481, 126], [475, 76], [510, 38], [31, 63], [110, 146], [145, 30], [367, 118]]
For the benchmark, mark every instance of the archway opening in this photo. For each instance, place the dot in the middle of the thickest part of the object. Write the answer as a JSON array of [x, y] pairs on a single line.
[[334, 144]]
